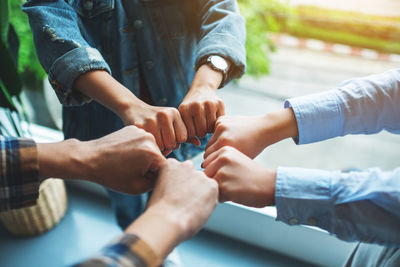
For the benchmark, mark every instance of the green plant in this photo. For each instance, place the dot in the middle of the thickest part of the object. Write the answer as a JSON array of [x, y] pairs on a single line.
[[261, 19], [29, 68], [10, 82]]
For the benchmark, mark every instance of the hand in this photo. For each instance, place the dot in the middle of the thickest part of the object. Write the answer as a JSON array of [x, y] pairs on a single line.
[[126, 161], [251, 135], [201, 106], [240, 179], [164, 123], [185, 194], [199, 110], [180, 205], [243, 133]]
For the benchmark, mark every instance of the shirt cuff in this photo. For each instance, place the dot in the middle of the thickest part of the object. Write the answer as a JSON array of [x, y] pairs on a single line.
[[226, 46], [70, 66], [318, 117], [19, 182], [303, 196], [127, 250]]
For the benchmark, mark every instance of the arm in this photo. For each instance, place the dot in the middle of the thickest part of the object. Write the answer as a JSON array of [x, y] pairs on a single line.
[[108, 157], [359, 106], [362, 206], [79, 73], [24, 163], [61, 48], [169, 219], [222, 33]]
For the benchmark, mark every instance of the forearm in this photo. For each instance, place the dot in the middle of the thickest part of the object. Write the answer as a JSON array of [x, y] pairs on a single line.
[[206, 79], [160, 230], [64, 159], [277, 126], [103, 88]]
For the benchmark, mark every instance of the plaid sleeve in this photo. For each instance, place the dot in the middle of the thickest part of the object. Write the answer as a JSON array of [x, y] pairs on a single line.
[[19, 173], [127, 251]]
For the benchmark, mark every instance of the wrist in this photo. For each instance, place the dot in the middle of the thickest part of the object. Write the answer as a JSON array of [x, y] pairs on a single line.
[[271, 186], [206, 78], [277, 126], [57, 159], [159, 228]]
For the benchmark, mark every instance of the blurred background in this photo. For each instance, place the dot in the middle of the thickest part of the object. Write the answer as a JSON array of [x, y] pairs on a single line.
[[294, 47]]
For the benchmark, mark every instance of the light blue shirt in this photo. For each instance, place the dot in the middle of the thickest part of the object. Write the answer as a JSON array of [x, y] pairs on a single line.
[[365, 205]]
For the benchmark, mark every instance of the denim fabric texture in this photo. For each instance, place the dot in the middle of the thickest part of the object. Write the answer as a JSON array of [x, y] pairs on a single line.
[[161, 41]]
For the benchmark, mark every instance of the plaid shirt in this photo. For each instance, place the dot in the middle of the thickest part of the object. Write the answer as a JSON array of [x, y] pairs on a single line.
[[19, 187]]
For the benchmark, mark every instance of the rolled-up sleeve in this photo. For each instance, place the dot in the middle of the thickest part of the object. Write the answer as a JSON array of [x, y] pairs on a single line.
[[223, 33], [62, 51], [19, 173]]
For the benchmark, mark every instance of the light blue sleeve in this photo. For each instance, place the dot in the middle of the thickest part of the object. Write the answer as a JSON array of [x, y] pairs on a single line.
[[362, 206], [358, 106]]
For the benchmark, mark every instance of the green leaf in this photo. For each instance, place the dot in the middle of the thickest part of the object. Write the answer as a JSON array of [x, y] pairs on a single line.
[[8, 71], [5, 98], [4, 20]]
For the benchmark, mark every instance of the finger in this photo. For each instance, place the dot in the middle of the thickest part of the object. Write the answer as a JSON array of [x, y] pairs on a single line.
[[200, 122], [194, 141], [211, 116], [181, 133], [212, 140], [215, 146], [189, 124], [221, 109], [177, 146], [212, 157], [168, 134], [166, 152], [153, 129], [156, 164], [212, 167]]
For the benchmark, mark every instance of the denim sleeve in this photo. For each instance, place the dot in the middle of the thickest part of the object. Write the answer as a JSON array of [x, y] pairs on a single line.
[[62, 51], [223, 33], [358, 106], [362, 206]]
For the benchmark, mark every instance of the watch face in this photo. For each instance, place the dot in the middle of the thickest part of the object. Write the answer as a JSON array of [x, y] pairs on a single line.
[[219, 62]]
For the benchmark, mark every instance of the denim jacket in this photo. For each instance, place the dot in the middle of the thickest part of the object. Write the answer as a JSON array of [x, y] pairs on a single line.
[[165, 39]]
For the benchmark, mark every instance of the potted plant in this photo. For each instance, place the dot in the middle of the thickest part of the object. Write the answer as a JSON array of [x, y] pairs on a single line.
[[52, 202]]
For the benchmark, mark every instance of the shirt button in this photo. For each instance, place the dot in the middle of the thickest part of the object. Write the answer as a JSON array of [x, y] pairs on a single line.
[[312, 221], [293, 221], [88, 5], [149, 64], [138, 24], [163, 101]]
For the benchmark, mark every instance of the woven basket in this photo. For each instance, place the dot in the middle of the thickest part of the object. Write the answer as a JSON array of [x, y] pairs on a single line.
[[47, 213]]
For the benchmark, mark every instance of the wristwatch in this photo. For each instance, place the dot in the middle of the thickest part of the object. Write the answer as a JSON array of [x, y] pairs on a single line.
[[217, 63]]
